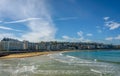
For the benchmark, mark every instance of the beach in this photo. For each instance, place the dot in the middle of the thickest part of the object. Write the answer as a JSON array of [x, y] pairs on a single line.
[[24, 55]]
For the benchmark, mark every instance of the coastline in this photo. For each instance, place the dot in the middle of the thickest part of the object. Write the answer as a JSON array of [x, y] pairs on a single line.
[[30, 54]]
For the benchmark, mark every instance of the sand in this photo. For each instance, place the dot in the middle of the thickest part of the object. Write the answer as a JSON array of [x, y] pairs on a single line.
[[23, 55]]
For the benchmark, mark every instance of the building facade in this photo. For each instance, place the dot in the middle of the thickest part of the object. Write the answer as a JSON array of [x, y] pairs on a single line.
[[9, 44]]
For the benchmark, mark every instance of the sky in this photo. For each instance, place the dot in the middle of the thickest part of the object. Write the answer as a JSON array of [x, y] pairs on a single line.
[[61, 20]]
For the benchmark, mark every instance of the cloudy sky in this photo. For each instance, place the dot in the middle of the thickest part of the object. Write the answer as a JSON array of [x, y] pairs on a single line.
[[62, 20]]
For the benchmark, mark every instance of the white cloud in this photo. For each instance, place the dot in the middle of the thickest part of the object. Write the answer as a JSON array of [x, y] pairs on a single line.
[[109, 38], [113, 38], [76, 39], [112, 25], [37, 15], [5, 28], [8, 28], [80, 33], [106, 18], [118, 37], [73, 39], [65, 37], [24, 20], [89, 34], [42, 30]]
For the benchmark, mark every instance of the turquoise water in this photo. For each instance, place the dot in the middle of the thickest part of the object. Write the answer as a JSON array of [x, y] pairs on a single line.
[[96, 63], [106, 55]]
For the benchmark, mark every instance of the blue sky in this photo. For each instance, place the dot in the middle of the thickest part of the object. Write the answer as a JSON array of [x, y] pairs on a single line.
[[62, 20]]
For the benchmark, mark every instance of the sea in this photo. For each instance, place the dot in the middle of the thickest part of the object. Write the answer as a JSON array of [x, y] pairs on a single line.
[[72, 63]]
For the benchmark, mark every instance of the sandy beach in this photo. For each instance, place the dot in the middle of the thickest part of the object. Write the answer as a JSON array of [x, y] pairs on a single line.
[[23, 55]]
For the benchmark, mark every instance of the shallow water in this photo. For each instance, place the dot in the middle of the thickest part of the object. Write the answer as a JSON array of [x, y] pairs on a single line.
[[57, 65]]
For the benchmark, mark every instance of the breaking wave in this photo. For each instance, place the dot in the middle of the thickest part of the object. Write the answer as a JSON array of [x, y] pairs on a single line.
[[94, 65]]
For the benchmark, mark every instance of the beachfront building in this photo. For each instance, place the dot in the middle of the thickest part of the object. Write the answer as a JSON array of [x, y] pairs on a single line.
[[51, 46], [25, 45], [29, 46], [9, 44], [1, 47], [42, 46]]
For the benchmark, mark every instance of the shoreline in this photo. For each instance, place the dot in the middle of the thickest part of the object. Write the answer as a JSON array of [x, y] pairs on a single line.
[[32, 54], [25, 55], [29, 54]]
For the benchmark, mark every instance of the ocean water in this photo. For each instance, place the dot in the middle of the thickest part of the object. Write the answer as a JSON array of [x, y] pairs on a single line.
[[75, 63], [105, 55]]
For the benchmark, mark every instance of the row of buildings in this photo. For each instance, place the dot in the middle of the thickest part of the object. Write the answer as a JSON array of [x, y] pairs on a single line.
[[8, 44]]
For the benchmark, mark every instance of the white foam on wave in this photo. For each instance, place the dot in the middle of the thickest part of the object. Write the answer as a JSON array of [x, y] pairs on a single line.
[[19, 70], [49, 72], [99, 66], [24, 69], [71, 56], [96, 71], [27, 68], [68, 59]]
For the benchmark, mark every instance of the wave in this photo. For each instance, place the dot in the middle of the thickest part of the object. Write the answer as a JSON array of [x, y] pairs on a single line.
[[95, 66], [56, 64]]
